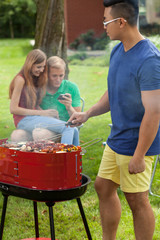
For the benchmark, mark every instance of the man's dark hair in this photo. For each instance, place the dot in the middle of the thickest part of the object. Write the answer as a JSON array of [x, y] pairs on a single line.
[[128, 9], [108, 3]]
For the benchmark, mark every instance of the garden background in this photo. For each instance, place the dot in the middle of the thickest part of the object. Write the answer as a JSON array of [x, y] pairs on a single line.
[[90, 74], [91, 77]]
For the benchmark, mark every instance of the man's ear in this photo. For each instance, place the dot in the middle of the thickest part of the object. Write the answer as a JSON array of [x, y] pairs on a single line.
[[122, 22]]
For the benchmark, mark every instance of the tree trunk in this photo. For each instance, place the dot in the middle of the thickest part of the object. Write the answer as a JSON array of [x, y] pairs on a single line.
[[50, 28], [11, 27]]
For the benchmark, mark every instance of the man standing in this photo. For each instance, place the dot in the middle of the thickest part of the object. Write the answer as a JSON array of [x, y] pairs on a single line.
[[133, 97]]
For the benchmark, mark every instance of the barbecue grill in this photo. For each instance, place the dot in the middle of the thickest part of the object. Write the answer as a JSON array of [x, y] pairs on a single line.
[[50, 197], [46, 177]]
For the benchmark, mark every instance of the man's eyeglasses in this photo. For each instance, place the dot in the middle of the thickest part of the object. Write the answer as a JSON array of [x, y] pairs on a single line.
[[106, 23]]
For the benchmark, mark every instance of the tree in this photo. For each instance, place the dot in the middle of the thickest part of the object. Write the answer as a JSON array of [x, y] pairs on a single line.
[[50, 28], [17, 18]]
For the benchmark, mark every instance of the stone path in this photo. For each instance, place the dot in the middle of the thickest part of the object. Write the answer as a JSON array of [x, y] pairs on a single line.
[[96, 53]]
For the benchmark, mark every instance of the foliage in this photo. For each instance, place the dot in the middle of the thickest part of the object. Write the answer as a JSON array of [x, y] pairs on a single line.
[[89, 41], [80, 56], [17, 18], [19, 223], [79, 59], [142, 3], [156, 40], [88, 38], [101, 42]]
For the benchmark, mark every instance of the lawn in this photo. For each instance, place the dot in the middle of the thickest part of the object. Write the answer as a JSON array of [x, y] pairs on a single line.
[[92, 81]]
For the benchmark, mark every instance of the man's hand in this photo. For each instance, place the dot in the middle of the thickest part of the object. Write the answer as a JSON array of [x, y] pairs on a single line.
[[67, 101], [136, 165], [78, 118]]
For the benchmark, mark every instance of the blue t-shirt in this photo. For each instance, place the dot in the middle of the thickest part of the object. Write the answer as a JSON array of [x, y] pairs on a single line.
[[130, 73]]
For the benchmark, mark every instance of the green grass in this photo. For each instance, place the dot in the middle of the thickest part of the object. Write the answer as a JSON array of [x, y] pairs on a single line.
[[19, 224], [12, 57]]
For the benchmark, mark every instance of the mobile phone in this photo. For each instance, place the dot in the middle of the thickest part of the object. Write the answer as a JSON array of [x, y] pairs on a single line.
[[61, 96], [69, 124]]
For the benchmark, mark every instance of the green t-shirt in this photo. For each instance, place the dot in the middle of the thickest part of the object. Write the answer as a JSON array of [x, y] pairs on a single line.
[[51, 101]]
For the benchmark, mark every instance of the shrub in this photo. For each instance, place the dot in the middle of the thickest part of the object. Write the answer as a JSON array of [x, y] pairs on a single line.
[[89, 40], [81, 47], [75, 44], [77, 56], [156, 40]]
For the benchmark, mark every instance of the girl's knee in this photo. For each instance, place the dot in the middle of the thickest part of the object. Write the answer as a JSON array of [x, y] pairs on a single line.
[[19, 135], [44, 134]]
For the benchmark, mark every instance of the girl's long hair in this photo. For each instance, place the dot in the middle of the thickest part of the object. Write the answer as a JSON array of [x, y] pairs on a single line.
[[35, 87]]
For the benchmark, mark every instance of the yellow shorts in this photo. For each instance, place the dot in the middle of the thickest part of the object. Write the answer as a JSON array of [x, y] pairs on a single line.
[[114, 167]]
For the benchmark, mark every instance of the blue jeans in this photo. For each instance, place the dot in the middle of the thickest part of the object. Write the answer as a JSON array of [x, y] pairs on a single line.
[[69, 135]]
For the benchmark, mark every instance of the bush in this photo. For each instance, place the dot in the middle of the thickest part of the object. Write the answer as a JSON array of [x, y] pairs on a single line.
[[100, 43], [84, 59], [77, 56], [89, 40], [81, 47], [156, 40], [75, 44]]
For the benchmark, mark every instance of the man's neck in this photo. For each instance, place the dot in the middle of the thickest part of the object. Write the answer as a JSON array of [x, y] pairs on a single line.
[[131, 38], [51, 89]]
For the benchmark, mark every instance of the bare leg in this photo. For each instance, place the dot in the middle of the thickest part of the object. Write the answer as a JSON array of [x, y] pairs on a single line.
[[45, 134], [20, 135], [110, 208], [143, 217]]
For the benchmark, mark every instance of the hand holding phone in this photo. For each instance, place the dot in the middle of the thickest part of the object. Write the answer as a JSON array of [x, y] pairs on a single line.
[[66, 99], [61, 97]]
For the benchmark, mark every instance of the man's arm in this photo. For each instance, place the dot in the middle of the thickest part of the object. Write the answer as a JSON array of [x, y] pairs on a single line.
[[101, 107], [148, 129]]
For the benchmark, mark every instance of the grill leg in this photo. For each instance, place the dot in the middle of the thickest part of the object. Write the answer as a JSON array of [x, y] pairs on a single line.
[[50, 205], [84, 219], [36, 219], [3, 215]]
